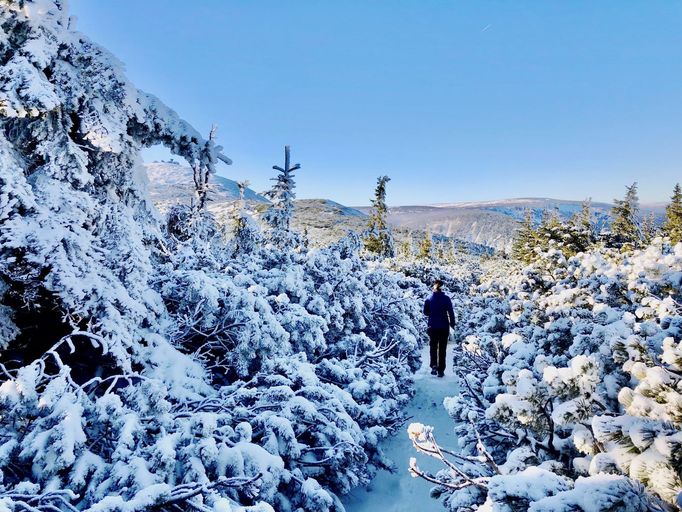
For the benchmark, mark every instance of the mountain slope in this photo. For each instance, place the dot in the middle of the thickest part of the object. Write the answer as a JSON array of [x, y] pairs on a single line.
[[486, 223], [324, 220], [172, 183], [493, 223]]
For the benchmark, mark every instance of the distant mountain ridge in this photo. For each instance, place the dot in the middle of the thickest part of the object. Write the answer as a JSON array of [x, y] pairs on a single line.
[[565, 207], [493, 223], [483, 223], [323, 219]]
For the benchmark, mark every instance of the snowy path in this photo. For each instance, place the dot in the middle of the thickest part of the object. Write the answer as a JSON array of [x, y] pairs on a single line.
[[399, 492]]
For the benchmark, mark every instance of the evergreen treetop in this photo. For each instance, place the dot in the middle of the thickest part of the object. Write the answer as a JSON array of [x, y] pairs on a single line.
[[672, 227], [245, 232], [379, 239], [278, 216], [525, 240], [580, 228], [649, 228], [425, 247], [625, 227]]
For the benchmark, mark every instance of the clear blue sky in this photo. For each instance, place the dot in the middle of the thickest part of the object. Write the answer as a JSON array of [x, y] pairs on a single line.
[[455, 100]]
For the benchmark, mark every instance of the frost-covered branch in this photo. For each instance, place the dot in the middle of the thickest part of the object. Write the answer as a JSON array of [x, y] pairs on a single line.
[[424, 441], [185, 492], [50, 501]]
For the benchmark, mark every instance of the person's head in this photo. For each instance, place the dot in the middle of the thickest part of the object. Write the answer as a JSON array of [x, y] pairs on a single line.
[[438, 285]]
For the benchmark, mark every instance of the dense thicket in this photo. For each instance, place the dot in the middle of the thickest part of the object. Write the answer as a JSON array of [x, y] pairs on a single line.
[[153, 363], [570, 378]]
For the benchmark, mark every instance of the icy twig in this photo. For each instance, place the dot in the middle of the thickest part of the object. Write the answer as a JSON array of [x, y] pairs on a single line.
[[424, 441], [50, 501]]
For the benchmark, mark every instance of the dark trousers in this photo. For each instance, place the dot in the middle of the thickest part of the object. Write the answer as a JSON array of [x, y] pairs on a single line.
[[439, 343]]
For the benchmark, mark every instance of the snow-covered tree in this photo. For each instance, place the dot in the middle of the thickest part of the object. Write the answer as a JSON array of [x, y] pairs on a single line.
[[78, 232], [405, 249], [246, 235], [672, 227], [278, 216], [625, 228], [581, 232], [426, 247], [649, 228], [442, 250], [378, 238], [525, 239], [552, 233]]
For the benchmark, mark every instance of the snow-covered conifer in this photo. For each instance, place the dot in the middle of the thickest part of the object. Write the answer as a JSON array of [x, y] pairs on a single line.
[[672, 227], [245, 232], [426, 247], [581, 232], [625, 226], [378, 238], [525, 239], [282, 194], [649, 228], [552, 233], [405, 249]]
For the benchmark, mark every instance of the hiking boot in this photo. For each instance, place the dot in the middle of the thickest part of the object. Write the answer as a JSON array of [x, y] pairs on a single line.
[[441, 374], [434, 371]]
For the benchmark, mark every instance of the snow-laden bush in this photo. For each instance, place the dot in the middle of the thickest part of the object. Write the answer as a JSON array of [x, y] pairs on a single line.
[[76, 223], [570, 384], [348, 331], [150, 364]]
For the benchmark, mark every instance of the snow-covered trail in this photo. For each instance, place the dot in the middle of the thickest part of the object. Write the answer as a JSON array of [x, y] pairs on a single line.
[[400, 492]]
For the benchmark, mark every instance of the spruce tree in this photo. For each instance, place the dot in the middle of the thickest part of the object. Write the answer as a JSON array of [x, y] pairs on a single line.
[[405, 249], [581, 234], [378, 238], [425, 247], [278, 216], [72, 128], [649, 228], [523, 248], [552, 232], [625, 228], [672, 227], [245, 233], [440, 251], [452, 252]]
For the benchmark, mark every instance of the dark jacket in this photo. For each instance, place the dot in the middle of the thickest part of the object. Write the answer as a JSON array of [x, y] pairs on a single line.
[[438, 308]]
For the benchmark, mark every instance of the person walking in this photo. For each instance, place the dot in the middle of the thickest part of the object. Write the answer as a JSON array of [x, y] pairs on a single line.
[[438, 307]]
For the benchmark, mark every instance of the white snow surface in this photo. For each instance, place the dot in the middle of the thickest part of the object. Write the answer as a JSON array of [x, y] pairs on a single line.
[[399, 491]]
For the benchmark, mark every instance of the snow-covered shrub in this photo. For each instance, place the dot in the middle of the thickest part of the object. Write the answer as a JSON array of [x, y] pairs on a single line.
[[338, 334], [77, 229], [569, 378], [147, 364]]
